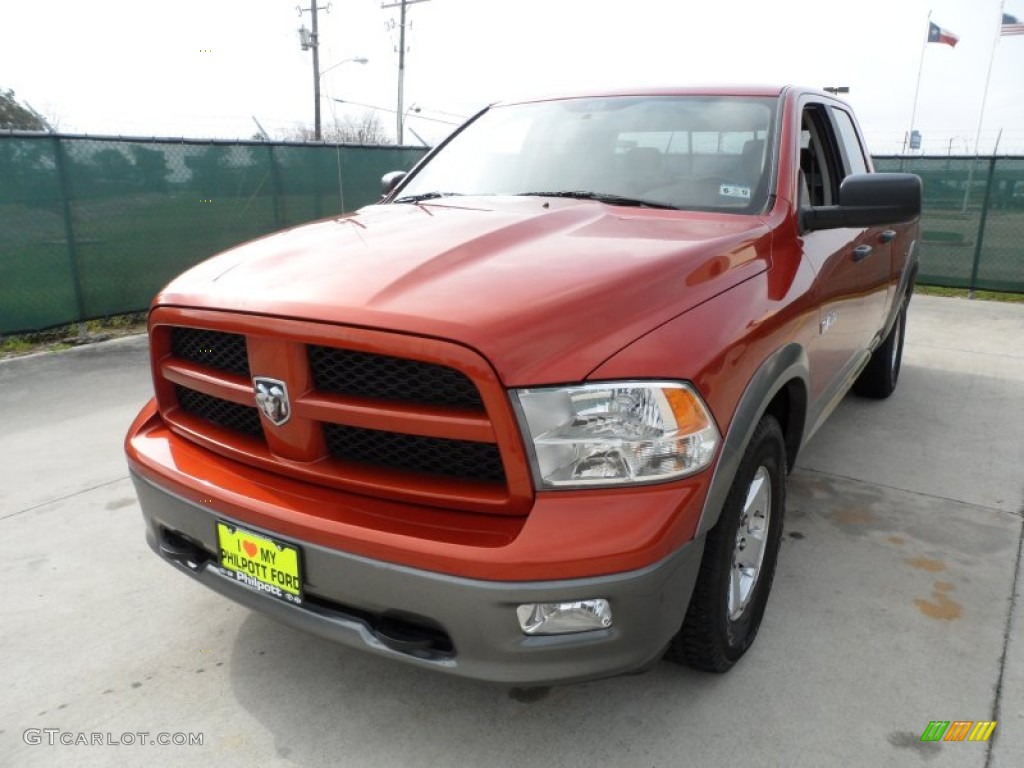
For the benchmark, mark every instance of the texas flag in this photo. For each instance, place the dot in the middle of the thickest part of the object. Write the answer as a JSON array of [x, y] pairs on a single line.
[[937, 34]]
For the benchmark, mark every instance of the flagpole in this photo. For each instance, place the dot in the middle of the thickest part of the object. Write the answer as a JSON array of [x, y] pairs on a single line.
[[917, 88], [981, 117], [988, 78]]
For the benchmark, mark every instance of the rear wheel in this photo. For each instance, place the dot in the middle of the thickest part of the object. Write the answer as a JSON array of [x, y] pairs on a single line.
[[738, 566], [879, 377]]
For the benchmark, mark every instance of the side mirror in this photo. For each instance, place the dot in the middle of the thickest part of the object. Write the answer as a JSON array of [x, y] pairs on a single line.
[[391, 180], [868, 200]]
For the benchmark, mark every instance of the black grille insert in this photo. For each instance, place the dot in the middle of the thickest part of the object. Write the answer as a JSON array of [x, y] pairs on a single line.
[[223, 413], [214, 349], [460, 459], [363, 374], [407, 635]]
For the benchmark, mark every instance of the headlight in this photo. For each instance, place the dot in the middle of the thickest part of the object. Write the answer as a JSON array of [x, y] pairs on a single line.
[[615, 433]]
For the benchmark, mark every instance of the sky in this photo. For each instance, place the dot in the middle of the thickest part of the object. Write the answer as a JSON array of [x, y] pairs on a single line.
[[206, 68]]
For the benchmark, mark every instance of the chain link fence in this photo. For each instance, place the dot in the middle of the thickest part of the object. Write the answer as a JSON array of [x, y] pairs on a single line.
[[972, 225], [91, 227]]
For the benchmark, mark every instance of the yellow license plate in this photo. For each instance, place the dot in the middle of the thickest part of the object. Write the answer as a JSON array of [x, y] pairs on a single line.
[[262, 564]]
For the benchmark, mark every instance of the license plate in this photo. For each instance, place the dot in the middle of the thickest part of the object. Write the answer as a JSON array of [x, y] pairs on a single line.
[[260, 563]]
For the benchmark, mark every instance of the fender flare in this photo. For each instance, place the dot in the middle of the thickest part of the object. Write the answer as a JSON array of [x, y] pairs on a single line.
[[909, 277], [784, 365], [905, 288]]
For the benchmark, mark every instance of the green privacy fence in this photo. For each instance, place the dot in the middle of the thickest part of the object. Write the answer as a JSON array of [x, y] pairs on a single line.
[[972, 225], [92, 226]]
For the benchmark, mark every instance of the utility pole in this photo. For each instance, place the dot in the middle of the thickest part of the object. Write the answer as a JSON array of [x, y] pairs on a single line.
[[399, 133], [312, 40], [316, 74]]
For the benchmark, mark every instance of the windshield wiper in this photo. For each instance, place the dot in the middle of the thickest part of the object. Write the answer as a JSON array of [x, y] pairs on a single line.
[[603, 197], [425, 196]]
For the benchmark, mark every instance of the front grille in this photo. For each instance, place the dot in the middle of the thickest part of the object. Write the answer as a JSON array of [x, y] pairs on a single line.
[[223, 413], [214, 349], [460, 459], [349, 372], [409, 419]]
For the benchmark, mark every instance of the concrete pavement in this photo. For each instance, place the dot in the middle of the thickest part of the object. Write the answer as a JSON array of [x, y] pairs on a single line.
[[893, 605]]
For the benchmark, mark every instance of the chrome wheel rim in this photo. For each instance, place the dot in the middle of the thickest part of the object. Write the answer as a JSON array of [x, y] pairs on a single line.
[[751, 537]]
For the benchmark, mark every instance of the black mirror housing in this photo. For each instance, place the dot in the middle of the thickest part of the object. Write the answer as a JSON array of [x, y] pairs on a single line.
[[867, 200], [389, 181]]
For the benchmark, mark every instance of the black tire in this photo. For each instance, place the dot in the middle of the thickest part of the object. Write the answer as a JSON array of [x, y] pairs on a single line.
[[882, 373], [714, 634]]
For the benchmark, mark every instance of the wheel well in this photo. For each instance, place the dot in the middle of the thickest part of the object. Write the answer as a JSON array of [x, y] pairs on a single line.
[[789, 407]]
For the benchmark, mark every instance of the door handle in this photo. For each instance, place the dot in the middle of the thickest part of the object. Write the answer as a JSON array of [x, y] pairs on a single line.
[[887, 237], [861, 252]]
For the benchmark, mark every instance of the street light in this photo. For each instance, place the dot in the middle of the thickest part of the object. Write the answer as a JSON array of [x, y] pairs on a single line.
[[355, 59], [321, 73]]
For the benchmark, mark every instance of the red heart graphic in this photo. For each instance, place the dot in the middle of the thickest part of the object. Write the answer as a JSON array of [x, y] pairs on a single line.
[[250, 548]]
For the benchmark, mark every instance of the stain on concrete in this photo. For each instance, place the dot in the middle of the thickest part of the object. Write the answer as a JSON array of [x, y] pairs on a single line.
[[529, 695], [814, 485], [109, 690], [926, 564], [796, 535], [853, 516], [941, 606], [908, 740], [136, 685], [120, 503], [898, 541]]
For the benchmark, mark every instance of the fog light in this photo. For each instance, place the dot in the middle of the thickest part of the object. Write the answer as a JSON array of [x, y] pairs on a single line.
[[563, 618]]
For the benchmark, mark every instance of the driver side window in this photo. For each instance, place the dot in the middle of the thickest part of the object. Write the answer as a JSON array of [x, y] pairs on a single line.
[[820, 172]]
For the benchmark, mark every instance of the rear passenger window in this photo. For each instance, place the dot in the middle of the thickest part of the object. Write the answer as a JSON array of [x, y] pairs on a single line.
[[851, 144]]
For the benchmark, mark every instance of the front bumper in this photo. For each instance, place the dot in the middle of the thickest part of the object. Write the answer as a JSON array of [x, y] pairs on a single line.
[[393, 610]]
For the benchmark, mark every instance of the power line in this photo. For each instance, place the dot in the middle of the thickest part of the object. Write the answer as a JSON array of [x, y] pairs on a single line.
[[392, 111]]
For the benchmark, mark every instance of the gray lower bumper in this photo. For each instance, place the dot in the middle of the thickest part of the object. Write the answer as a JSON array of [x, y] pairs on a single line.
[[348, 594]]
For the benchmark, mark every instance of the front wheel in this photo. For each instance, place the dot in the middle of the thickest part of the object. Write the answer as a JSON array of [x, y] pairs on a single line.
[[739, 559]]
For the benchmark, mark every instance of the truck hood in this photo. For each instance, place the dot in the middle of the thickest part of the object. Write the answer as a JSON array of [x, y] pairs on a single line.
[[546, 289]]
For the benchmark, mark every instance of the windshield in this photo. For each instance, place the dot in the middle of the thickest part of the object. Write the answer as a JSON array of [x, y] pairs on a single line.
[[686, 152]]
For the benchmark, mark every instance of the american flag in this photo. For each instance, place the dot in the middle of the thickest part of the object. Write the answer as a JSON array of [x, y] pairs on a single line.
[[1011, 26]]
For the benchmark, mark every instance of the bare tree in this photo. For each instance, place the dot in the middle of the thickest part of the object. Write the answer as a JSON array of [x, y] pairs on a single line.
[[366, 129], [15, 115]]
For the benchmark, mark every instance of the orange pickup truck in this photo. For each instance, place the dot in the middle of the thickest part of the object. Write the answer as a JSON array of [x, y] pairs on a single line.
[[529, 418]]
